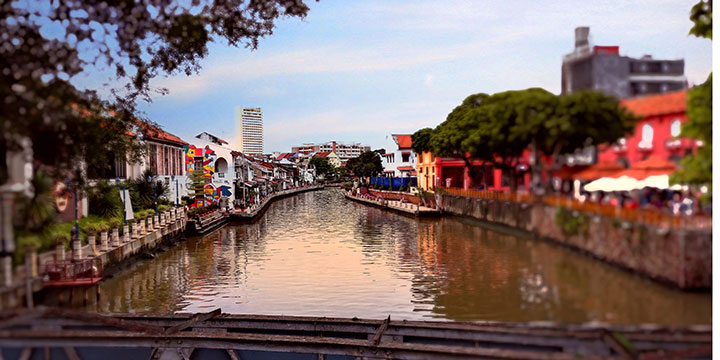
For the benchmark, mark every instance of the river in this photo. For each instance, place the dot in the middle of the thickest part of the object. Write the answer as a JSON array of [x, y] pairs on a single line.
[[318, 254]]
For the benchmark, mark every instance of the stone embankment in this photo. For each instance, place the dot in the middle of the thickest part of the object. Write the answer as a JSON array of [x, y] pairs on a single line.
[[103, 252], [678, 256], [254, 211]]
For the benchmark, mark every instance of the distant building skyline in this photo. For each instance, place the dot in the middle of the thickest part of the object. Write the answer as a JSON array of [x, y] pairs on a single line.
[[249, 130], [344, 151], [602, 68]]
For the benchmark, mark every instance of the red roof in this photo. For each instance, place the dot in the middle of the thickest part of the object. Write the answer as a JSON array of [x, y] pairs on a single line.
[[322, 154], [406, 168], [661, 104], [403, 141], [155, 133]]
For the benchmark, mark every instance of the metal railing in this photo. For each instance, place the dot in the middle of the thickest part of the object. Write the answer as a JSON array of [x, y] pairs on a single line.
[[644, 216]]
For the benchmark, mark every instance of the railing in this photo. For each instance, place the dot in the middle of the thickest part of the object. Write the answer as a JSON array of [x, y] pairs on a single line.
[[645, 216], [64, 270]]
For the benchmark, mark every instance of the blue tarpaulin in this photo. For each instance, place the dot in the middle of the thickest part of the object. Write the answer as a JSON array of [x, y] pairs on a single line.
[[396, 182]]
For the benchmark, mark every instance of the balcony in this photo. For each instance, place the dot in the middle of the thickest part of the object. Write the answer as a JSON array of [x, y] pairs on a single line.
[[645, 146]]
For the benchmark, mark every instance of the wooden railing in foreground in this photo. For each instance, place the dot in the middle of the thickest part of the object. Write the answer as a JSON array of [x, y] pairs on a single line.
[[645, 216]]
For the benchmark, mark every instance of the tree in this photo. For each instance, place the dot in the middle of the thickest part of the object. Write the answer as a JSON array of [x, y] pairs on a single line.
[[322, 166], [498, 129], [135, 40], [697, 169], [701, 16], [421, 140], [366, 165]]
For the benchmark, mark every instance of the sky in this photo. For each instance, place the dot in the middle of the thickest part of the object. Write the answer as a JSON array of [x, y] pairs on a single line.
[[357, 71]]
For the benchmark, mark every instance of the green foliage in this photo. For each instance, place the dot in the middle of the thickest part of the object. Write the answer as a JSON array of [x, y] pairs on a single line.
[[697, 169], [146, 188], [322, 166], [571, 224], [104, 200], [701, 16], [140, 40], [38, 212], [498, 128], [421, 140], [366, 165], [162, 208]]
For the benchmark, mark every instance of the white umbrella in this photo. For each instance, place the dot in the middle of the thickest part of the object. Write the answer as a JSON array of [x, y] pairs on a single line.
[[662, 182], [623, 183]]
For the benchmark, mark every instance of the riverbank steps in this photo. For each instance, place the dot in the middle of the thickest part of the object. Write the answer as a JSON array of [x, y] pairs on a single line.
[[112, 252], [679, 257]]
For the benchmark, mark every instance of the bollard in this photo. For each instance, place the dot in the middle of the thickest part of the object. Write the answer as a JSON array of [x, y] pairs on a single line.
[[126, 233], [104, 241], [76, 249], [60, 252], [156, 221], [115, 239], [93, 246], [31, 261]]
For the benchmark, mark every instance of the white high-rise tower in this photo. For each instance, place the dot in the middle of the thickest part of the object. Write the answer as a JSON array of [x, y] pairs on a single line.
[[249, 129]]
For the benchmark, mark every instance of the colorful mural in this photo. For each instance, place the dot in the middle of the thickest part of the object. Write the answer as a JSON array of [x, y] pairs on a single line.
[[211, 192]]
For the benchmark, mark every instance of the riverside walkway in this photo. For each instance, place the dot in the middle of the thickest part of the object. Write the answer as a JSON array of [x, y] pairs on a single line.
[[252, 212], [395, 205]]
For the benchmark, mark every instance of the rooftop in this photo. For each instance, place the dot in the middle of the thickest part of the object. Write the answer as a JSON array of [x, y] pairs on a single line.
[[658, 104], [404, 141]]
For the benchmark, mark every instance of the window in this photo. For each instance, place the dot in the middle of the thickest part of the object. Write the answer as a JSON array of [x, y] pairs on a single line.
[[675, 128], [405, 157], [647, 137]]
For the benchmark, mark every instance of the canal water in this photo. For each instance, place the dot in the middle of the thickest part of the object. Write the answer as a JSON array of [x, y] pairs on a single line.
[[318, 254]]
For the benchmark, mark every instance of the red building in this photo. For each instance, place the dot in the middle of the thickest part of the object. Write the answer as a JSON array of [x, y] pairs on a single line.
[[656, 134]]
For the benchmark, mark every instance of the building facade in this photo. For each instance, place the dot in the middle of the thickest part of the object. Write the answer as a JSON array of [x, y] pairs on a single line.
[[212, 157], [344, 151], [249, 129], [399, 159], [656, 134], [602, 68]]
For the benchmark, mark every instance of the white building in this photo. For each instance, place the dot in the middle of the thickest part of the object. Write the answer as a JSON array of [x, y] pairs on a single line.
[[344, 151], [399, 160], [213, 157], [249, 129]]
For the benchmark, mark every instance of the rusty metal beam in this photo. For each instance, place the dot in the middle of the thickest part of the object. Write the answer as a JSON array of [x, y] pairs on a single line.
[[194, 320]]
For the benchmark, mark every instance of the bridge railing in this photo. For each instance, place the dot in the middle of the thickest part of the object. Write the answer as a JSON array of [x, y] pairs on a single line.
[[645, 216]]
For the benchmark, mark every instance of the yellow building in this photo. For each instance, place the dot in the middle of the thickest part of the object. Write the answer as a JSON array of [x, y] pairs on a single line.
[[426, 171]]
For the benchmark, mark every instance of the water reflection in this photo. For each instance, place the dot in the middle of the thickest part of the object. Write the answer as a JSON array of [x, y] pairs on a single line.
[[318, 254]]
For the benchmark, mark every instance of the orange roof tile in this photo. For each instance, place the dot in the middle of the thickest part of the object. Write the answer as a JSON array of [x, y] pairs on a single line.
[[404, 141], [322, 154], [660, 104], [155, 133]]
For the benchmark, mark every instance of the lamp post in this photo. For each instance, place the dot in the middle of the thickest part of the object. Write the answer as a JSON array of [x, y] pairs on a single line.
[[177, 190]]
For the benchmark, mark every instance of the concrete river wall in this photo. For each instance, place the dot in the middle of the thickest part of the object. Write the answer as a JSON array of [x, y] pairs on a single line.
[[681, 257]]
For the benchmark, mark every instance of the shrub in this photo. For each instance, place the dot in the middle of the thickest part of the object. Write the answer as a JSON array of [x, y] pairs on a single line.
[[104, 200]]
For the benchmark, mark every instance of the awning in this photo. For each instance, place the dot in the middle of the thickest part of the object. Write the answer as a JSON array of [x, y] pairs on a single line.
[[623, 183], [406, 168], [653, 166], [250, 183], [405, 153], [389, 171], [600, 170]]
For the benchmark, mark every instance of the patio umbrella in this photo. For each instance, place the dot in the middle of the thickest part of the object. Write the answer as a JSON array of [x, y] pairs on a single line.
[[662, 182], [608, 184]]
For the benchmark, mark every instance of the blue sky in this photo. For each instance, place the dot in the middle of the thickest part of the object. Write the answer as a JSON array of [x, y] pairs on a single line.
[[360, 70]]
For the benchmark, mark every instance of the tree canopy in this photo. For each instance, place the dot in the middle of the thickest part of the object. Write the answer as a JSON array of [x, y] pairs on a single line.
[[499, 128], [366, 165], [47, 44], [697, 169], [322, 166]]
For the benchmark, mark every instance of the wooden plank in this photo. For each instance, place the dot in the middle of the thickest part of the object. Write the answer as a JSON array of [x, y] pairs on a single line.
[[71, 353], [381, 330]]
